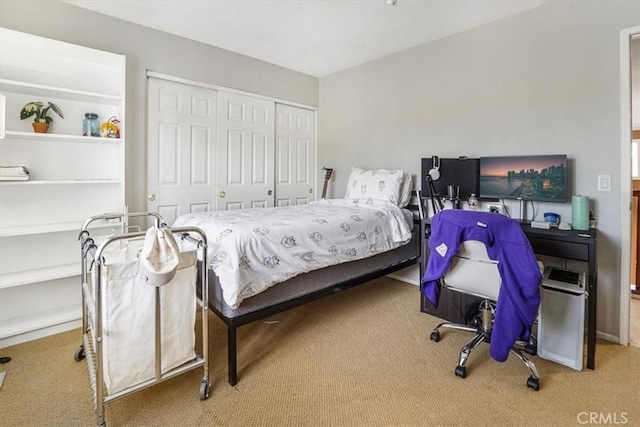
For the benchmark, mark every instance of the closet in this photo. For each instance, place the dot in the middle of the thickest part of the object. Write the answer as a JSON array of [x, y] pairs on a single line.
[[212, 149]]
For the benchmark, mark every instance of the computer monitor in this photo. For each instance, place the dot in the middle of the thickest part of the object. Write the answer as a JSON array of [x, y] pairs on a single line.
[[540, 178]]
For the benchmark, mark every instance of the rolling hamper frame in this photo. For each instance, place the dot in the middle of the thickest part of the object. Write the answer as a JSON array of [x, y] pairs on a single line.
[[92, 257]]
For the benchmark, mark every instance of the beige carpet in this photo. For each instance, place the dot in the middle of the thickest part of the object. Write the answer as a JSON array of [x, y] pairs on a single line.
[[359, 358]]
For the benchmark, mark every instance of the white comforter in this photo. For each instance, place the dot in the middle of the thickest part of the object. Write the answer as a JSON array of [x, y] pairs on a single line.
[[253, 249]]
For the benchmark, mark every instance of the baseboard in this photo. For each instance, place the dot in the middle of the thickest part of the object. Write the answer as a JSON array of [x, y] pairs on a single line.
[[404, 279], [607, 337]]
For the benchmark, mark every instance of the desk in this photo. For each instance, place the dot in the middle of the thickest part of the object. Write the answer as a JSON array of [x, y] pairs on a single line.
[[570, 244]]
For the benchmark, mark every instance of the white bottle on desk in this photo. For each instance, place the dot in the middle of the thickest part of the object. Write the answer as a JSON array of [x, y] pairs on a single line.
[[473, 202]]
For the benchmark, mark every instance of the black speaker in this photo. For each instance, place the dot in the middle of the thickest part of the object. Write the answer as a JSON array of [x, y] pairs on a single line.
[[463, 172]]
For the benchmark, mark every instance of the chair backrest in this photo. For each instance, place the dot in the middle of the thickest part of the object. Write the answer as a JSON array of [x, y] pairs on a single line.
[[472, 272]]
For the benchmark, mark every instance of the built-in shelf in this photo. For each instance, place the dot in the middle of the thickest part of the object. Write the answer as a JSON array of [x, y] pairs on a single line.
[[21, 325], [57, 92], [63, 182], [20, 278], [72, 177], [24, 230], [32, 136]]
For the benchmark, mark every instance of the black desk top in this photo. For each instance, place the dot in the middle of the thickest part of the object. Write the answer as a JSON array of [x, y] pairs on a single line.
[[553, 233], [575, 236]]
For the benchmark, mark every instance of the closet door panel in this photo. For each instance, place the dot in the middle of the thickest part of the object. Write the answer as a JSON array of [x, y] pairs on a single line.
[[295, 159], [246, 152], [181, 148]]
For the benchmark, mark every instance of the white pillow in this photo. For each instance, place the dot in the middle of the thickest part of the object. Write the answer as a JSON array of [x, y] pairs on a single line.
[[378, 184], [405, 190]]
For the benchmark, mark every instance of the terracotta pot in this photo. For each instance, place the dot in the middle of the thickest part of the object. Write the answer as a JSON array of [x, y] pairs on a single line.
[[40, 127]]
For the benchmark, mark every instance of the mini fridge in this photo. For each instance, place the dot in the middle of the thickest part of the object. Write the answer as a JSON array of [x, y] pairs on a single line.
[[561, 317]]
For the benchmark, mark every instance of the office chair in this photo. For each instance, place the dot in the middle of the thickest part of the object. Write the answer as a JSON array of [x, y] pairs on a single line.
[[472, 272]]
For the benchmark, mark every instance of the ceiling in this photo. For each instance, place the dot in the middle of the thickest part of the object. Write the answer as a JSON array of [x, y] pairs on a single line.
[[315, 37]]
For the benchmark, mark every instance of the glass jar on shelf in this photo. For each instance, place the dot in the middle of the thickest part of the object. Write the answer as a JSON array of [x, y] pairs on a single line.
[[90, 125]]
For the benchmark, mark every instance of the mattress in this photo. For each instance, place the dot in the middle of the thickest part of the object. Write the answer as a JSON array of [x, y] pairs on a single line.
[[253, 249], [314, 283]]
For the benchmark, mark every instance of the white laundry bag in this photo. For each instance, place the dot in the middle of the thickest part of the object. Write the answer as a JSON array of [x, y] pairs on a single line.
[[129, 293]]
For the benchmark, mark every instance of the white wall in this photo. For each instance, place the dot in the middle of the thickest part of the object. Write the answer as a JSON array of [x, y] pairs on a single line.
[[543, 81], [148, 49]]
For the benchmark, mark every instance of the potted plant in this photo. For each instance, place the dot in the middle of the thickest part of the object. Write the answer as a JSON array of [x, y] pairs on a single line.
[[42, 119]]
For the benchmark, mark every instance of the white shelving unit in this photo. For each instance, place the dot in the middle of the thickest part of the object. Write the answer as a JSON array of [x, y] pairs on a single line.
[[72, 177]]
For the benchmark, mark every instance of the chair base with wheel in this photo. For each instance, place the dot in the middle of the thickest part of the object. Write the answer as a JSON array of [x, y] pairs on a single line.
[[473, 273]]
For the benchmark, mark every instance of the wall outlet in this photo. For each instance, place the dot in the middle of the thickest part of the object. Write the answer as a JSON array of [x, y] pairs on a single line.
[[495, 209]]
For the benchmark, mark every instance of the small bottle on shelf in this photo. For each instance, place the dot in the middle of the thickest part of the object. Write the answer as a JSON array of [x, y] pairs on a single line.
[[90, 125]]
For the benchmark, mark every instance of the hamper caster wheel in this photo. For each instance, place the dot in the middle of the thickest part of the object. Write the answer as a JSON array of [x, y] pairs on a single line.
[[461, 371], [534, 383], [79, 354], [435, 336], [204, 389]]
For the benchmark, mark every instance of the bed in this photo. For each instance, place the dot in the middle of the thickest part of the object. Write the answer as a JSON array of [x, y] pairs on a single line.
[[268, 260]]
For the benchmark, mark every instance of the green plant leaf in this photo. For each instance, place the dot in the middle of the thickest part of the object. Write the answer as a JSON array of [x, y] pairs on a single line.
[[56, 109], [30, 109]]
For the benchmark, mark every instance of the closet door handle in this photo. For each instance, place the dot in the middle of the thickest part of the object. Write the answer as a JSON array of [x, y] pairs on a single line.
[[151, 197], [270, 192], [311, 191], [222, 194]]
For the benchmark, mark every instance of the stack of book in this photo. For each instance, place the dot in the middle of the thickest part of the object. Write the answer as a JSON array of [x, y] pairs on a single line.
[[14, 173]]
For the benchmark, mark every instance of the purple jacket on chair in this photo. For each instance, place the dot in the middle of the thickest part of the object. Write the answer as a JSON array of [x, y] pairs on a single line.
[[519, 296]]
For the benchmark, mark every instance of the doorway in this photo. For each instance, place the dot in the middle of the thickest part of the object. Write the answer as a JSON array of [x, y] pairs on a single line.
[[634, 309], [630, 97]]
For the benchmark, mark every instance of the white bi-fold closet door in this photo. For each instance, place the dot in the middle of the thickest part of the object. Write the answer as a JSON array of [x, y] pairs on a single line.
[[209, 149], [180, 148], [246, 151], [295, 155]]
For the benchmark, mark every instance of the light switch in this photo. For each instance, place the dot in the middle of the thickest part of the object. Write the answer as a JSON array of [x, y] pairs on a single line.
[[604, 183]]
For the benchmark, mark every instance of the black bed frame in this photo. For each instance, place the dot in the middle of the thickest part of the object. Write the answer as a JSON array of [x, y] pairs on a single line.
[[305, 288]]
